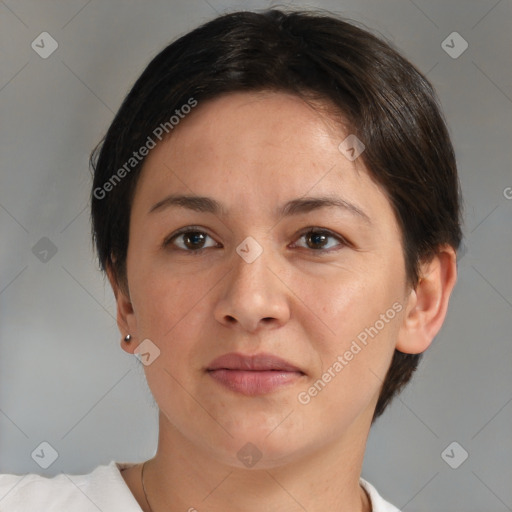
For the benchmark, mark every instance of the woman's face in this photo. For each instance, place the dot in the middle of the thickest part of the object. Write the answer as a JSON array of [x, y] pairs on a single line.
[[264, 266]]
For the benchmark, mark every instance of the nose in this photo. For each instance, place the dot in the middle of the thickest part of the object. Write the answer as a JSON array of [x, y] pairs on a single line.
[[253, 297]]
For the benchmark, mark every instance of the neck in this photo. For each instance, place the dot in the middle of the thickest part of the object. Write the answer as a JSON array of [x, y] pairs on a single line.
[[184, 477]]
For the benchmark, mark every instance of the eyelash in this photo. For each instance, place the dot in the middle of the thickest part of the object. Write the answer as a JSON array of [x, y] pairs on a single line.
[[308, 231]]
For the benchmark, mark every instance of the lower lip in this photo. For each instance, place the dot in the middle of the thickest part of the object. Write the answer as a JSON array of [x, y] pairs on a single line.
[[252, 383]]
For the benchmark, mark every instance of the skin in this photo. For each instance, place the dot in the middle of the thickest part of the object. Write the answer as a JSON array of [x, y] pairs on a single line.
[[253, 152]]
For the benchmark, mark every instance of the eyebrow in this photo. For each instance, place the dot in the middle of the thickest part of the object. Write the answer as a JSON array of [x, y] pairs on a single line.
[[293, 207]]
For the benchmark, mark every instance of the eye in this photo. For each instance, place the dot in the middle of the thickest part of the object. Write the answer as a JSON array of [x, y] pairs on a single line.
[[321, 240], [190, 239]]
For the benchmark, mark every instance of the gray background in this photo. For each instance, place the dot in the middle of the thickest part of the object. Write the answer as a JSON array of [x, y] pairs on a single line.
[[64, 378]]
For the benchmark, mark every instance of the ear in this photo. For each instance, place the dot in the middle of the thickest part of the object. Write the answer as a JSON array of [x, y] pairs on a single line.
[[125, 315], [428, 302]]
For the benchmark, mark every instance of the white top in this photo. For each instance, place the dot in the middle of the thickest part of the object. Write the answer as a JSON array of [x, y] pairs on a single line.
[[103, 489]]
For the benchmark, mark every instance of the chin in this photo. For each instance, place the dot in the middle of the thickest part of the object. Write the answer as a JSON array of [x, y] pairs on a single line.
[[254, 447], [260, 454]]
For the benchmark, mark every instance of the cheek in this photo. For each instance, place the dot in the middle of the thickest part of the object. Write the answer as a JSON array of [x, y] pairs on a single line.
[[162, 298], [345, 302], [352, 364], [170, 311], [353, 333], [175, 313]]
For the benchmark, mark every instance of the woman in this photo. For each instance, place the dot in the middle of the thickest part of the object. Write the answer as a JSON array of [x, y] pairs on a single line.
[[276, 206]]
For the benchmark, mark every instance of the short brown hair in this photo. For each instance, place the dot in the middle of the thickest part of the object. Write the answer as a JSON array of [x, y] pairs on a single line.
[[386, 101]]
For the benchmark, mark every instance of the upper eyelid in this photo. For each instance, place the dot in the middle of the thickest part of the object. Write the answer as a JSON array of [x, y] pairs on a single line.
[[326, 231], [187, 229]]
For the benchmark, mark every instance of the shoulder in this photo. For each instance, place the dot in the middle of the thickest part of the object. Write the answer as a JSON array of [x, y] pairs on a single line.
[[104, 489], [379, 504]]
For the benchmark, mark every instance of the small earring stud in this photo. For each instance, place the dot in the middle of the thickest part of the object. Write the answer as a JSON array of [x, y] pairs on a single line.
[[128, 338]]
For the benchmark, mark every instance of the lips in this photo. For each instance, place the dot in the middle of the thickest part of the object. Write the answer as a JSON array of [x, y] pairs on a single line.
[[253, 374], [257, 362]]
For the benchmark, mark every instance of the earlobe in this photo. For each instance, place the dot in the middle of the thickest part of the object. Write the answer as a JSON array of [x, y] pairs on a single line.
[[125, 313], [428, 302]]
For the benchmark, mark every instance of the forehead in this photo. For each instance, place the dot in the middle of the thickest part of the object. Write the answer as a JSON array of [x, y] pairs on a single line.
[[255, 150], [284, 124]]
